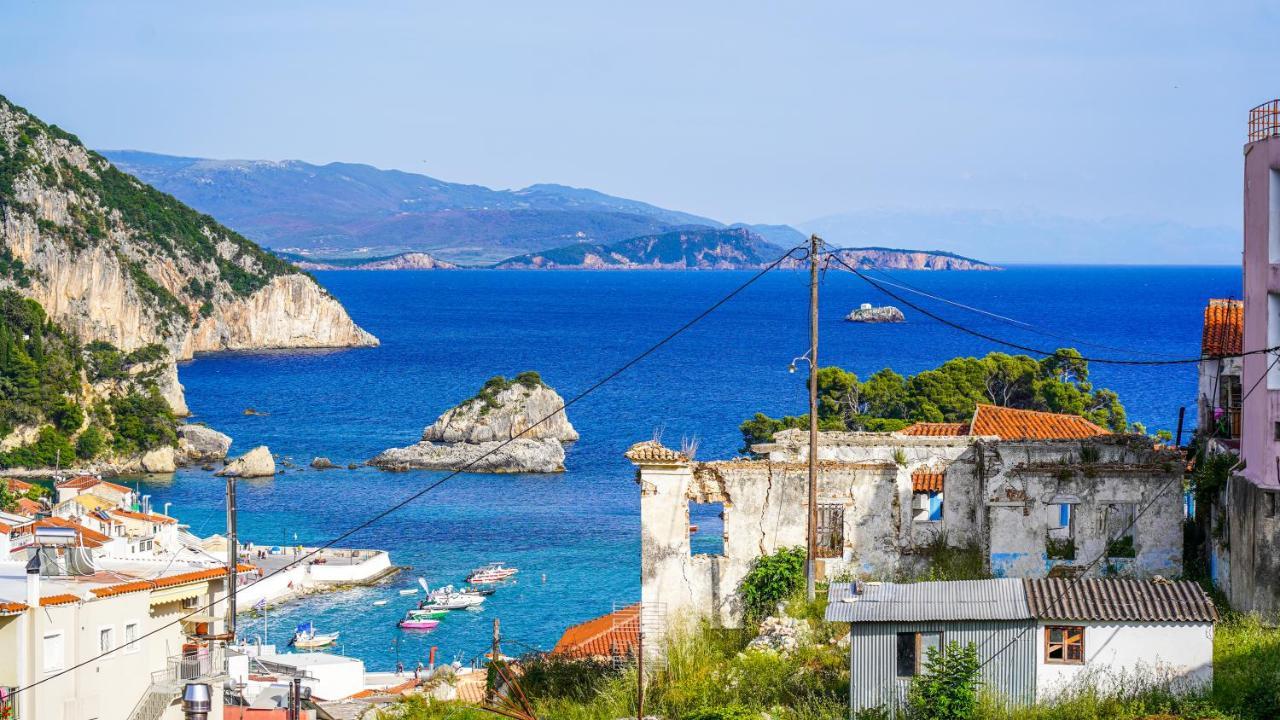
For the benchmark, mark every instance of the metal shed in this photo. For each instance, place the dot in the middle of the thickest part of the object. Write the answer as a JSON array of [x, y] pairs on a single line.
[[889, 621]]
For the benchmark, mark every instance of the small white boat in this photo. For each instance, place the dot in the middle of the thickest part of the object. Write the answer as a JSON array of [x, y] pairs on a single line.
[[379, 603], [446, 598], [306, 637], [410, 591], [491, 573]]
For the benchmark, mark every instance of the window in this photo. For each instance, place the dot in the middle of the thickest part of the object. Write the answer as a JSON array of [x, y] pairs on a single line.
[[927, 506], [913, 651], [191, 603], [131, 637], [706, 528], [1060, 539], [106, 639], [1064, 644], [830, 530], [1121, 521], [51, 652], [1273, 338]]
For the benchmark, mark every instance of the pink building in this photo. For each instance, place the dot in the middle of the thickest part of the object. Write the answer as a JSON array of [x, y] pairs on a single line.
[[1260, 437]]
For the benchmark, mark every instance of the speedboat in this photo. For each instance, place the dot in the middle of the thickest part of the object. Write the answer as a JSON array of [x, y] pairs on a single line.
[[426, 613], [412, 622], [468, 590], [446, 598], [306, 637], [491, 573]]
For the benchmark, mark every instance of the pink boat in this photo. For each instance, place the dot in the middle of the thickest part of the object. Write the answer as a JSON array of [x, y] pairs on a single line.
[[417, 624]]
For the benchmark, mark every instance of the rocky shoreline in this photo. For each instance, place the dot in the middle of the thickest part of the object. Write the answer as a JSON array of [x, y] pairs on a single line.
[[510, 426]]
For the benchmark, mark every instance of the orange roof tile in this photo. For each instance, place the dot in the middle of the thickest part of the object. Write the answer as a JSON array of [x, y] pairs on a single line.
[[937, 429], [926, 480], [87, 536], [1223, 328], [27, 506], [18, 486], [653, 451], [153, 517], [63, 599], [84, 482], [168, 581], [12, 608], [608, 635], [1014, 424]]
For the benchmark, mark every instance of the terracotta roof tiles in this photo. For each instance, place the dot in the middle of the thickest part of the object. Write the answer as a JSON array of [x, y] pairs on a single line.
[[653, 451], [1223, 328], [153, 517], [1119, 599], [29, 507], [86, 536], [1014, 424], [168, 581], [927, 480], [62, 599], [937, 429], [610, 635], [18, 486]]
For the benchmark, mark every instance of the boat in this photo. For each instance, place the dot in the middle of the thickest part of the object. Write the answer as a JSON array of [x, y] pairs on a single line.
[[379, 603], [491, 573], [468, 590], [306, 637], [446, 598], [425, 613], [410, 622], [410, 591]]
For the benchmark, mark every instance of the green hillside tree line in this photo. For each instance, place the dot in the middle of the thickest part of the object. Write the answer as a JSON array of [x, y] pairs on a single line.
[[43, 371], [887, 401]]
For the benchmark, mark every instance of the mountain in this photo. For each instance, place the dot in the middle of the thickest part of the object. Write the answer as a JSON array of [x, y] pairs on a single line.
[[1029, 237], [403, 261], [107, 264], [879, 258], [698, 248], [345, 209]]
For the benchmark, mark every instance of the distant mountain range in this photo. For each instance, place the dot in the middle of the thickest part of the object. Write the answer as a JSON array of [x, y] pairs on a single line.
[[701, 248]]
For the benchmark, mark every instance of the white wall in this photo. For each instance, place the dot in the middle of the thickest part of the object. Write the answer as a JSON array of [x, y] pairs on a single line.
[[1178, 652]]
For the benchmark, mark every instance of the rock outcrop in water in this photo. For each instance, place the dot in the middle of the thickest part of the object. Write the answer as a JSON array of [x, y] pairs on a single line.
[[884, 314], [255, 463], [200, 444], [471, 435]]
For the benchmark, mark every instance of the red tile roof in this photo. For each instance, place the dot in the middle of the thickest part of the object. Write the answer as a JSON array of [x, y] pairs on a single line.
[[86, 536], [12, 608], [614, 634], [926, 480], [18, 486], [153, 517], [1013, 424], [168, 581], [1223, 328], [84, 482], [63, 599], [27, 506], [932, 429]]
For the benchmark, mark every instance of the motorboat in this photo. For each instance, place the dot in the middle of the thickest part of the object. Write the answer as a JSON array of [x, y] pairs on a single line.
[[446, 598], [491, 573], [426, 613], [379, 603], [412, 622], [410, 591], [306, 637], [469, 590]]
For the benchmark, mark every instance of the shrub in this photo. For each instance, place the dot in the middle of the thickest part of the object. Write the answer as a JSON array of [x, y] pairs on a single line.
[[948, 687], [90, 443], [558, 677], [50, 448], [728, 712], [772, 579]]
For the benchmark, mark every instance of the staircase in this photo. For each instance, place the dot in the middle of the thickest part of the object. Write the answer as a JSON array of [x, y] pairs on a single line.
[[167, 685]]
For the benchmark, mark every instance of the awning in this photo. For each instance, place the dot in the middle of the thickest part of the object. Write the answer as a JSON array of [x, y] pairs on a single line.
[[200, 618]]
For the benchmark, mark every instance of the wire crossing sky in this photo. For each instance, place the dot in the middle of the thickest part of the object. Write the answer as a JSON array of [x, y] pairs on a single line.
[[1054, 116]]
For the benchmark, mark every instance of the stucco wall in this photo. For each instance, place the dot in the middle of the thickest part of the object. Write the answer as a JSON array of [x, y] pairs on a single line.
[[1258, 444], [1250, 557], [1121, 655]]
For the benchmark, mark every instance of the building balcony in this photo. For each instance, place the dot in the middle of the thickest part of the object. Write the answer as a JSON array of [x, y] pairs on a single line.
[[1264, 121], [8, 703]]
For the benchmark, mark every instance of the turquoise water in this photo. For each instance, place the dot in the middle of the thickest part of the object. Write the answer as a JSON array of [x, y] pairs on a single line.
[[575, 536]]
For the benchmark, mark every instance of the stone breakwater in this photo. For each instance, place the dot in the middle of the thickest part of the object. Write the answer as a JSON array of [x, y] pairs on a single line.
[[523, 413]]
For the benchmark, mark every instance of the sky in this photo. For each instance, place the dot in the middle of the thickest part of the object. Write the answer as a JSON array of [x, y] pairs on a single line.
[[1080, 112]]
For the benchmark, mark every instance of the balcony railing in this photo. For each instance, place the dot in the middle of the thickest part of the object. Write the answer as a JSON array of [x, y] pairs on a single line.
[[190, 667], [8, 704], [1264, 121]]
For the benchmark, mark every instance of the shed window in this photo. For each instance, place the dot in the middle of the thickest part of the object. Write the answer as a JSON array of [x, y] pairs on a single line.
[[1064, 644], [912, 651]]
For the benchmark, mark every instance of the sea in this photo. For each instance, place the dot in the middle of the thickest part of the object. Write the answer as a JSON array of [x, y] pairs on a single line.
[[576, 535]]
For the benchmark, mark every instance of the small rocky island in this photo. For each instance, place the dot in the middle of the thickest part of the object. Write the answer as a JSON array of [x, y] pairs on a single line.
[[869, 314], [499, 412]]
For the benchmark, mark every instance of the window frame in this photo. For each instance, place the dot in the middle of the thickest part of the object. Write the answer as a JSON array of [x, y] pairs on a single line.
[[1066, 644], [129, 647], [48, 635], [918, 650], [110, 631]]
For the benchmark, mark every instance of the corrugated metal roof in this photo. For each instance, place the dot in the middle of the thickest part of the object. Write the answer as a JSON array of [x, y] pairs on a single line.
[[1124, 599], [1002, 599]]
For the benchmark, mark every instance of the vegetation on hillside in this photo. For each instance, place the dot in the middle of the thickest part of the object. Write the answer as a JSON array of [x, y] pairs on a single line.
[[488, 394], [112, 202], [887, 401], [43, 375]]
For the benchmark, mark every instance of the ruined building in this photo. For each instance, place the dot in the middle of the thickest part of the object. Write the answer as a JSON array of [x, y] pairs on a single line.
[[1034, 493]]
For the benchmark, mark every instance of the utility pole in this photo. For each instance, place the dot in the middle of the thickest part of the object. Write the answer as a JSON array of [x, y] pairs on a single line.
[[233, 559], [811, 567], [491, 692]]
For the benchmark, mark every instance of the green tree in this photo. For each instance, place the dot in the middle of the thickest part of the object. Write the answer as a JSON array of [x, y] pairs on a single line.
[[948, 687], [772, 579]]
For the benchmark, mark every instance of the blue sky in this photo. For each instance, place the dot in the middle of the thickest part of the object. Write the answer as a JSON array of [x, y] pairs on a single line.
[[757, 112]]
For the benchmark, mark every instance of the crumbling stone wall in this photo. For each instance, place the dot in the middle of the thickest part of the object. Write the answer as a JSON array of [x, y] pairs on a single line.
[[1245, 542]]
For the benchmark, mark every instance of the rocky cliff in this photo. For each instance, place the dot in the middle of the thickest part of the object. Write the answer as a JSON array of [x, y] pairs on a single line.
[[106, 284], [877, 258], [114, 260], [524, 413]]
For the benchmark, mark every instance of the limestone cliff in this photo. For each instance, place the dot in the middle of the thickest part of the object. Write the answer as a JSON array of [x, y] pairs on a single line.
[[515, 425], [112, 259]]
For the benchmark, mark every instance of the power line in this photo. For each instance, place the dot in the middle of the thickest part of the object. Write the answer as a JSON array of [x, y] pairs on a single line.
[[1029, 327], [1040, 351], [379, 516]]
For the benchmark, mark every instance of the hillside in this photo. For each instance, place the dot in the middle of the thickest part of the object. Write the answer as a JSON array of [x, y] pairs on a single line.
[[345, 209], [879, 258], [694, 248], [403, 261], [122, 274]]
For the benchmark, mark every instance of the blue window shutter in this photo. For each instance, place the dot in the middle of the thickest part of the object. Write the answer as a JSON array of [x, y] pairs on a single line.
[[935, 506]]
